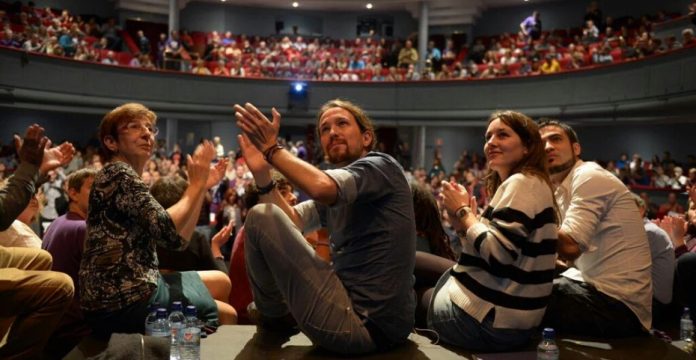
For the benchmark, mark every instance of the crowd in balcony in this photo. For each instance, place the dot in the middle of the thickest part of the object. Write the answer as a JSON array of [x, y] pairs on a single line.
[[531, 51]]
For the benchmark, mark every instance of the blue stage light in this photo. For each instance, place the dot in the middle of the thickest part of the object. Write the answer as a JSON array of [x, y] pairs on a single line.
[[299, 87]]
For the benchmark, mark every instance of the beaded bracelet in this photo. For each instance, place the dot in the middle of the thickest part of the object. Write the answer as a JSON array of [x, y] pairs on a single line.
[[263, 190], [268, 153]]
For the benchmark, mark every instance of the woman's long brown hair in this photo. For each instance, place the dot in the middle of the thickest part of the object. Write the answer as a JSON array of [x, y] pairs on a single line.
[[534, 162]]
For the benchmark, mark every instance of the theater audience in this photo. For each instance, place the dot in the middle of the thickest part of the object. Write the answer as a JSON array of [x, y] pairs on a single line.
[[594, 13], [32, 295], [408, 55], [20, 233], [10, 40], [143, 42], [550, 65], [119, 275], [688, 39], [240, 295], [608, 290], [671, 207], [683, 234], [53, 194], [430, 235], [201, 68], [355, 60], [590, 33], [433, 251], [110, 58], [602, 56], [531, 27], [663, 263], [198, 254], [64, 240], [348, 66], [372, 261], [682, 231], [477, 305], [110, 30]]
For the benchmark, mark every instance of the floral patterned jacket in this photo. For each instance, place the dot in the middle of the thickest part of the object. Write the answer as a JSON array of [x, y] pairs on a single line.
[[124, 225]]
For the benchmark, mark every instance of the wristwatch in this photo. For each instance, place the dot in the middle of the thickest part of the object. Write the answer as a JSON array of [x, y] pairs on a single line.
[[462, 212]]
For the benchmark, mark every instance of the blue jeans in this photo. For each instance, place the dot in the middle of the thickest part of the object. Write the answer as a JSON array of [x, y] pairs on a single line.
[[286, 276], [455, 327]]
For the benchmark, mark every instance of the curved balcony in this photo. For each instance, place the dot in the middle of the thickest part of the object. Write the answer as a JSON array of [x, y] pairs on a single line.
[[662, 86]]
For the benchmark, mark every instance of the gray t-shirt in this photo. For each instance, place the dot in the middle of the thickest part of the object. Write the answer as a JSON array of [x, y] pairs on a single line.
[[373, 243], [663, 262]]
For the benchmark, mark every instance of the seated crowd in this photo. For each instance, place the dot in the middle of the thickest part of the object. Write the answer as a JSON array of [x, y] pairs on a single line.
[[599, 41], [527, 236], [484, 242]]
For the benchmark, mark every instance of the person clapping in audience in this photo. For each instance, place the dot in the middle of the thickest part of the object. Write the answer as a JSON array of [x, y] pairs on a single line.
[[496, 295], [119, 275], [31, 294]]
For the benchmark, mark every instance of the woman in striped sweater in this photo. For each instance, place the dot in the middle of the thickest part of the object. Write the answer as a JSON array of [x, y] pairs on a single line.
[[496, 294]]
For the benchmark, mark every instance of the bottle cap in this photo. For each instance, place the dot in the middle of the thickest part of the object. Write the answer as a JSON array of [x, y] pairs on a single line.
[[190, 311], [177, 306], [161, 313], [549, 333]]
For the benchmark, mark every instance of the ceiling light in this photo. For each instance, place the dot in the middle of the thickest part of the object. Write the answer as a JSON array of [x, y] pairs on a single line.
[[295, 4], [369, 5]]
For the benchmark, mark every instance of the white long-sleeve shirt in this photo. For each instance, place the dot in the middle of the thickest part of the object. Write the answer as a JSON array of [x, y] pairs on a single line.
[[600, 214]]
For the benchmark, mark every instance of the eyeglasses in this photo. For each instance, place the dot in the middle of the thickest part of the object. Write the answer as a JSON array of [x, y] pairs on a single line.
[[141, 128]]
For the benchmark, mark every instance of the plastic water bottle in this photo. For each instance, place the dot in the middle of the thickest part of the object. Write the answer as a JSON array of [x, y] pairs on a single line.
[[150, 319], [686, 326], [547, 349], [191, 337], [161, 326], [176, 325]]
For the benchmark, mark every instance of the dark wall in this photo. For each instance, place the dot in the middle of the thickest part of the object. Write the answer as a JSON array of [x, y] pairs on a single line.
[[567, 14], [60, 126], [124, 15], [608, 142], [262, 21], [605, 142], [100, 8]]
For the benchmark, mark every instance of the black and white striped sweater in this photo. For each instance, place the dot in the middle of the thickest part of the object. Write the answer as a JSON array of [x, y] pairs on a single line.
[[508, 258]]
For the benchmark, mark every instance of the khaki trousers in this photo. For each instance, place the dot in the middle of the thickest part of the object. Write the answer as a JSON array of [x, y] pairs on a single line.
[[35, 296]]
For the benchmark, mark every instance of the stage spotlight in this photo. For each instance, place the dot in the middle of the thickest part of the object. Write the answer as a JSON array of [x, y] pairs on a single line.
[[298, 96], [299, 87]]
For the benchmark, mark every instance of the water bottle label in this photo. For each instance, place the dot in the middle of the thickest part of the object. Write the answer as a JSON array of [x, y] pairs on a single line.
[[191, 334], [160, 334], [547, 352]]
